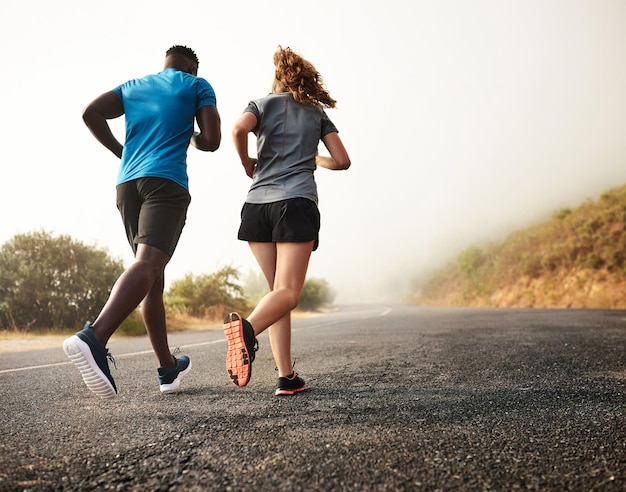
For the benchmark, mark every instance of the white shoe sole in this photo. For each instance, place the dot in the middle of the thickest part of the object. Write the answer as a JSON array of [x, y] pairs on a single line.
[[80, 354], [173, 386]]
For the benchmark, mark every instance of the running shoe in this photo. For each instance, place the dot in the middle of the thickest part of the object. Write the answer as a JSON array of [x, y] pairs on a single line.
[[242, 346], [91, 358], [169, 379], [290, 385]]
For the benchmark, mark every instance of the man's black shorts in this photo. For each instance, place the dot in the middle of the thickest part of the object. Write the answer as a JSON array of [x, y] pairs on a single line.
[[154, 211], [296, 220]]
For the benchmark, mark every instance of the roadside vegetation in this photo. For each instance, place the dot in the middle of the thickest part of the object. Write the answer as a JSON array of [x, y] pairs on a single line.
[[54, 283], [577, 259]]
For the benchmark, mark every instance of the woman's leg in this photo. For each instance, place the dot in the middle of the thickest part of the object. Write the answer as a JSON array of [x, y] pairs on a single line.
[[280, 331], [280, 342], [284, 266]]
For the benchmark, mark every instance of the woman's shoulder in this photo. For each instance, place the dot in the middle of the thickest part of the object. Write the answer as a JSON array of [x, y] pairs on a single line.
[[284, 100], [273, 96]]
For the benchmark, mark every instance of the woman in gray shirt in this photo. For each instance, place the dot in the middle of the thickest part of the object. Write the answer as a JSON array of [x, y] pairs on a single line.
[[280, 219]]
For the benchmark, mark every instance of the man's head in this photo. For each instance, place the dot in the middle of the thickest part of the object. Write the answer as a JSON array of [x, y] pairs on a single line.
[[182, 58]]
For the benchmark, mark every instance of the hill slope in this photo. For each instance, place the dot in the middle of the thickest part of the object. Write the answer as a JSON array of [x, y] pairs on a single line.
[[577, 259]]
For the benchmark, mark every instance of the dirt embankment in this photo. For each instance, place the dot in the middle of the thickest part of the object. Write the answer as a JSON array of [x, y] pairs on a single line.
[[581, 288]]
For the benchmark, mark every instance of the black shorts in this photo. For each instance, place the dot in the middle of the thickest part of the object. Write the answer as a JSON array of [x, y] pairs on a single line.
[[296, 220], [154, 211]]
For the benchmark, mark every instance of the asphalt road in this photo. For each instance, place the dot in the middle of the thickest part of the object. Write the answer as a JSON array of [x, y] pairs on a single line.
[[401, 398]]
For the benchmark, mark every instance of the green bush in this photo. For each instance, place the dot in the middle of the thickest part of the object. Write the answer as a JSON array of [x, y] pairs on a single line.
[[52, 282], [316, 293], [133, 325], [200, 296]]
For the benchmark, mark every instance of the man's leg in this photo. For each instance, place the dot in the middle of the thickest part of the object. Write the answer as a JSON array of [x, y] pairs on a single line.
[[130, 289], [153, 312]]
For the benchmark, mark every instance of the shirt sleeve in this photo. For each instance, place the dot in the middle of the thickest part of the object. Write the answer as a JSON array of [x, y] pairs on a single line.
[[206, 94], [253, 108], [327, 125]]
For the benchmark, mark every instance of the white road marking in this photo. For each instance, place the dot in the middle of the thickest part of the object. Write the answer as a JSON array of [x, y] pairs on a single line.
[[385, 312], [119, 356]]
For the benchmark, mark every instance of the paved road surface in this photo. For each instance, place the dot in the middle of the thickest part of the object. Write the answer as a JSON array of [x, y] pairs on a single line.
[[401, 398]]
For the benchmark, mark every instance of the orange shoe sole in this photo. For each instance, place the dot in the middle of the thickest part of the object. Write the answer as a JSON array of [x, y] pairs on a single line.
[[238, 363]]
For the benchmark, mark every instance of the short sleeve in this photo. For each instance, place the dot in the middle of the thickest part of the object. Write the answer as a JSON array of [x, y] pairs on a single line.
[[327, 125], [253, 108], [206, 94]]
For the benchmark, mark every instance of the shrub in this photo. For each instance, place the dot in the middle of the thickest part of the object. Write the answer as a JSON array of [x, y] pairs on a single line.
[[49, 282]]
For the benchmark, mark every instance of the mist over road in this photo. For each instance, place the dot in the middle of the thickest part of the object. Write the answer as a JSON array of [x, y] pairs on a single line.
[[401, 398]]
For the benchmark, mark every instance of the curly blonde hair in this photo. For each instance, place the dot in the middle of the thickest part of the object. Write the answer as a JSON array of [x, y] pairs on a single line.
[[296, 75]]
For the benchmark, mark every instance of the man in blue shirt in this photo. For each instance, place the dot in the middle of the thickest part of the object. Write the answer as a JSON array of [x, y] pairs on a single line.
[[160, 112]]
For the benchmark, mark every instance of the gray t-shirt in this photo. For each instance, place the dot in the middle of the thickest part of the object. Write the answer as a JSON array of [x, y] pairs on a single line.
[[288, 134]]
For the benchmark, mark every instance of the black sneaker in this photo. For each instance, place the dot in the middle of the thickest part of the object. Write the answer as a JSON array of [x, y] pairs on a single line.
[[242, 346], [169, 379], [91, 358], [290, 385]]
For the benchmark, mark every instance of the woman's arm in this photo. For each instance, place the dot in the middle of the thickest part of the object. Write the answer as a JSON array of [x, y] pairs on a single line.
[[339, 158], [243, 126]]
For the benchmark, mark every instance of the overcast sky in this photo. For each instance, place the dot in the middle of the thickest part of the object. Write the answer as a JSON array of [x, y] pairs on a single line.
[[465, 120]]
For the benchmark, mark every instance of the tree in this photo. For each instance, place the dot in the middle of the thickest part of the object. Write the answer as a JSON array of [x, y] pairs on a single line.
[[52, 282], [202, 296], [255, 286], [315, 293]]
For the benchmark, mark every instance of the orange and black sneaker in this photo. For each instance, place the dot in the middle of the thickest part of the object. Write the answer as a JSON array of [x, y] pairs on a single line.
[[242, 346], [290, 385]]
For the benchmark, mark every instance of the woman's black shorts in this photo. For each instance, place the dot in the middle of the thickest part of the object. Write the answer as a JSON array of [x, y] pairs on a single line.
[[296, 220]]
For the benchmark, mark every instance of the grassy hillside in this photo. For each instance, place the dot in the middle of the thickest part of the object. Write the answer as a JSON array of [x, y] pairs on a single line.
[[577, 259]]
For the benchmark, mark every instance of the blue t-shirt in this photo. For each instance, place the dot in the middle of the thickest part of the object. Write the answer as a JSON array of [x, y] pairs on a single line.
[[160, 112]]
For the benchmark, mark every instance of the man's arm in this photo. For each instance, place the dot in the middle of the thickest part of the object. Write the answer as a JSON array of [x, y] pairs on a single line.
[[210, 134], [105, 107]]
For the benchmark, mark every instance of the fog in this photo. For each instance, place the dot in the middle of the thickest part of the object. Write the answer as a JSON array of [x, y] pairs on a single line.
[[464, 120]]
